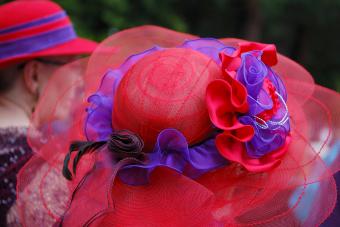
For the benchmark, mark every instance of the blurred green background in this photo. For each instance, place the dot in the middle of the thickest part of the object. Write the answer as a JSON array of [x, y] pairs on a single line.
[[307, 31]]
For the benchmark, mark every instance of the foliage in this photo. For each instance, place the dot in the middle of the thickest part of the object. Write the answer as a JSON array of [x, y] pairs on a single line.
[[305, 30]]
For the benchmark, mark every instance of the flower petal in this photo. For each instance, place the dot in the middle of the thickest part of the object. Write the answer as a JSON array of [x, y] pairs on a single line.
[[269, 55], [234, 150], [223, 99]]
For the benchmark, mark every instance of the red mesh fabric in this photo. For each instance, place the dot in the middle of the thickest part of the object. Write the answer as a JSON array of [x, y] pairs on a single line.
[[114, 50], [229, 196], [42, 192], [60, 102], [166, 89]]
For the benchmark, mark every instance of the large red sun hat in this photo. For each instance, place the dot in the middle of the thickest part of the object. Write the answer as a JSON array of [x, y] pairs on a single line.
[[169, 129], [37, 28]]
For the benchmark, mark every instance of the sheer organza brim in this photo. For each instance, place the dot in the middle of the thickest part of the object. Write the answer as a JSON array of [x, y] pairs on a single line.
[[300, 191]]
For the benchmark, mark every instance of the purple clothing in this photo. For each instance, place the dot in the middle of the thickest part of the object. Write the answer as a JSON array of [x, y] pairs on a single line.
[[334, 219], [14, 153]]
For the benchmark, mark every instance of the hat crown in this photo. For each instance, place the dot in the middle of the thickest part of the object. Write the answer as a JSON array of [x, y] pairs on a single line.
[[166, 89], [23, 11]]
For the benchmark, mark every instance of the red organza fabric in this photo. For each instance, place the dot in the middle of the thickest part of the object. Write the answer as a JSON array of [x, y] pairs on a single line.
[[229, 196]]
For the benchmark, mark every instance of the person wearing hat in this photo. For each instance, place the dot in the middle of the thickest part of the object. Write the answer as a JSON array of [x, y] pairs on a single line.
[[36, 38]]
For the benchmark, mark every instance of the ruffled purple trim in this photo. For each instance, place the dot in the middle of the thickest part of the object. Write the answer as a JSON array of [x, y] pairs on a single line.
[[210, 47], [269, 135], [172, 151]]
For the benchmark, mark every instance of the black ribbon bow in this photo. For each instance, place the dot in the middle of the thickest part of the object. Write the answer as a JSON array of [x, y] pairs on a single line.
[[122, 144]]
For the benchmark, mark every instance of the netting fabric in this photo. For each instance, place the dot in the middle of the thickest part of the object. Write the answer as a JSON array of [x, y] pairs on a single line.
[[234, 135]]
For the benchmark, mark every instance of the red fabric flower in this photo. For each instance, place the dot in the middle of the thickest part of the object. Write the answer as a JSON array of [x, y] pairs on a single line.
[[230, 63], [226, 99]]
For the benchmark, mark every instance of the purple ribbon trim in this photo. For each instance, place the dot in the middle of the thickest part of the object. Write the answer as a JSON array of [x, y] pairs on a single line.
[[38, 22], [37, 43]]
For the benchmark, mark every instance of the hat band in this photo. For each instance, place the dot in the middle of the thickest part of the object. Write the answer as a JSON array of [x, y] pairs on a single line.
[[41, 21], [37, 43]]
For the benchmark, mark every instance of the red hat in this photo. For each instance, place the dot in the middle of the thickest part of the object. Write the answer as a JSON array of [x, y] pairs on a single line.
[[232, 137], [37, 28]]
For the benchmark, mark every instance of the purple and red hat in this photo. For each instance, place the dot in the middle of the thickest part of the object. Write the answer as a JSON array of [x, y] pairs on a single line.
[[37, 28], [170, 129]]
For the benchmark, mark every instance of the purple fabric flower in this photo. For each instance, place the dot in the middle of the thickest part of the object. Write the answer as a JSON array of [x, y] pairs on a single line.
[[269, 134]]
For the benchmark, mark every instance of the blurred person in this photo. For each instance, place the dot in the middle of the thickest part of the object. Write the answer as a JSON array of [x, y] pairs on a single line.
[[36, 38]]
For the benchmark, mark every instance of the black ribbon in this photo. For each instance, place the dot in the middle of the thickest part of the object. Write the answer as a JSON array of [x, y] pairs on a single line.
[[122, 144]]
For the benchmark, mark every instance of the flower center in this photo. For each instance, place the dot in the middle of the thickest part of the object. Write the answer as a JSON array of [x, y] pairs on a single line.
[[271, 90]]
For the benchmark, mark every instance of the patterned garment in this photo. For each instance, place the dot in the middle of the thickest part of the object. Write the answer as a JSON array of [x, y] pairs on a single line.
[[14, 153]]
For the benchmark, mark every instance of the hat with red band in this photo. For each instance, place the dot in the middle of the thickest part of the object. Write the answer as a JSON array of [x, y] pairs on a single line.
[[37, 28]]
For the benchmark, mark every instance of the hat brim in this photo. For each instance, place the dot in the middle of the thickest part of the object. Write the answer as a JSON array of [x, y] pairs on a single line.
[[78, 46]]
